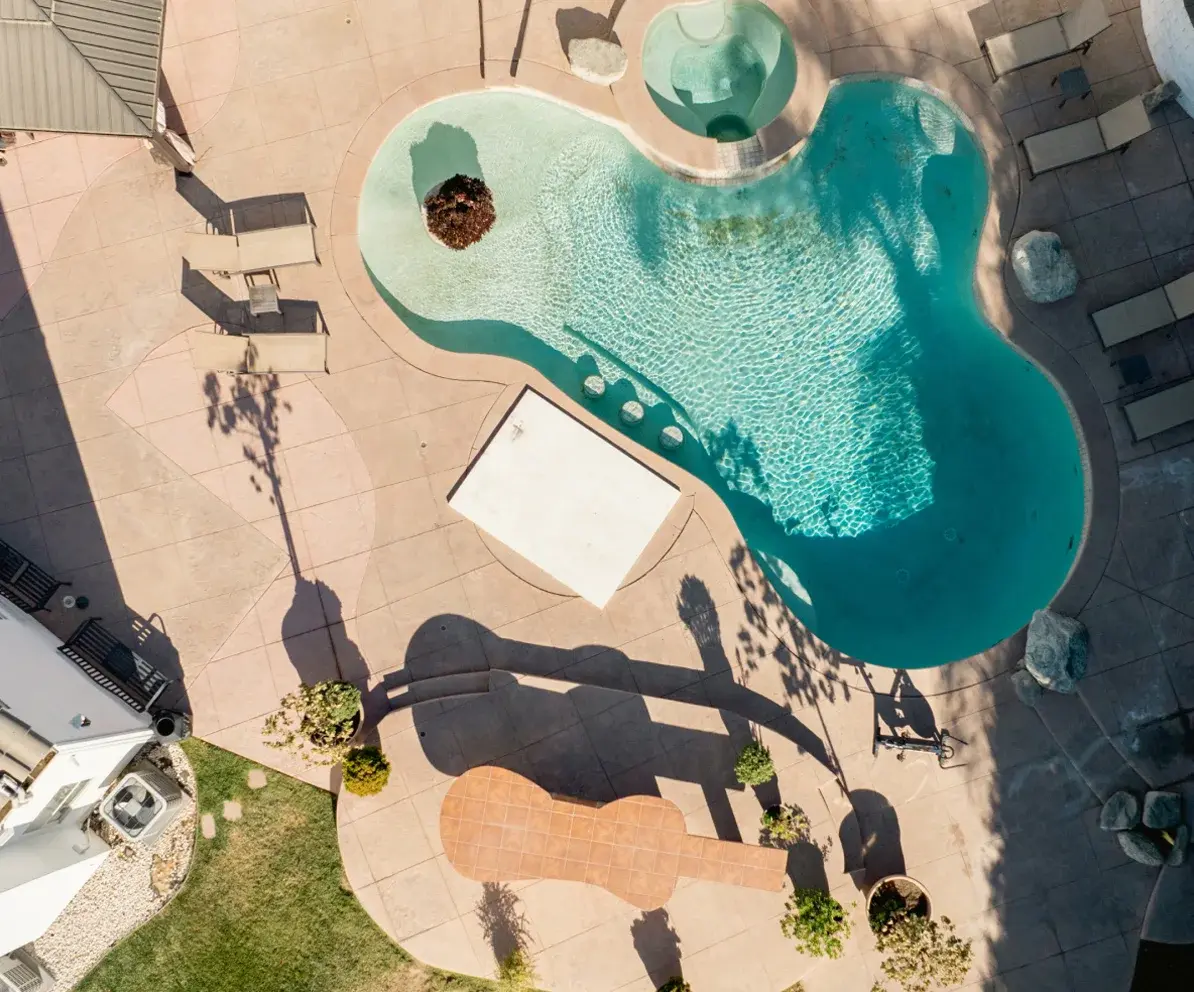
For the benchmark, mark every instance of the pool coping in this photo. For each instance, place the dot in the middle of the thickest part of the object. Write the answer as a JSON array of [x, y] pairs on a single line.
[[1091, 426]]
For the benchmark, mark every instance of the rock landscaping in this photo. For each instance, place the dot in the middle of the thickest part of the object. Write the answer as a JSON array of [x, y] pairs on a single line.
[[1055, 652], [131, 886], [1151, 833]]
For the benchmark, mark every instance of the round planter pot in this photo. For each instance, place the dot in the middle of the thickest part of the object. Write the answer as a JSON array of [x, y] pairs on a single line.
[[907, 886]]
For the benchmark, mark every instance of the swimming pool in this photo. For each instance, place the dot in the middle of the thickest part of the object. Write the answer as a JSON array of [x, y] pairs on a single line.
[[911, 484]]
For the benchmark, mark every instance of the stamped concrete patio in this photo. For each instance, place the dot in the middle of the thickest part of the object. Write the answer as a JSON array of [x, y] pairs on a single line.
[[246, 535]]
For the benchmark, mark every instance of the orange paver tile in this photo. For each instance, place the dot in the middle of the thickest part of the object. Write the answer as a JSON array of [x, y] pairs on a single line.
[[497, 826]]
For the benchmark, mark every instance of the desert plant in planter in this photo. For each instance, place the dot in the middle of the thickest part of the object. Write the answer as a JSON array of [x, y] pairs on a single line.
[[920, 953], [516, 972], [316, 722], [754, 766], [816, 922], [366, 771], [460, 212]]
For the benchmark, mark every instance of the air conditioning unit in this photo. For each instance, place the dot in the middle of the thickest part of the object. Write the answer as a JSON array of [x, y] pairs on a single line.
[[142, 804], [20, 972]]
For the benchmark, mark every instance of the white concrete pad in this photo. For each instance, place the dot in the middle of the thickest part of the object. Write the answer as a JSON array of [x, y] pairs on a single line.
[[564, 497]]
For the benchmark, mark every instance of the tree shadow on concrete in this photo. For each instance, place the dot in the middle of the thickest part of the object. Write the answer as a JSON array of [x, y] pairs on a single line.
[[657, 945], [35, 403], [503, 923], [250, 407]]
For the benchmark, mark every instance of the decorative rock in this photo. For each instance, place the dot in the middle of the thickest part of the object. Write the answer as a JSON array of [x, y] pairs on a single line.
[[631, 413], [1045, 269], [1140, 848], [1181, 838], [1028, 689], [596, 60], [1120, 812], [594, 387], [1056, 651], [1159, 94], [1162, 810], [671, 437]]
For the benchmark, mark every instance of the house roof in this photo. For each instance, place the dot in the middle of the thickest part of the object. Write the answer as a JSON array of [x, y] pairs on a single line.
[[86, 66]]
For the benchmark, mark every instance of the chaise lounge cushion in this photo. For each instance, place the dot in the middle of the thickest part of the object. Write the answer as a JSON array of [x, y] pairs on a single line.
[[1082, 24], [1027, 45], [1180, 293], [1161, 411], [1123, 321], [1063, 145]]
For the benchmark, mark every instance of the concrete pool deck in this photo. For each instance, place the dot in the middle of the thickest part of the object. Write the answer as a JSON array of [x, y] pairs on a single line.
[[330, 550]]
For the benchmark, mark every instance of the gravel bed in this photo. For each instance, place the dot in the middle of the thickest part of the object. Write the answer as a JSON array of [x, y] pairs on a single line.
[[132, 885]]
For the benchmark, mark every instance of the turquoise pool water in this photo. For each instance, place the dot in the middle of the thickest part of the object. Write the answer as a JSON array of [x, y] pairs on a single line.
[[910, 483], [719, 69]]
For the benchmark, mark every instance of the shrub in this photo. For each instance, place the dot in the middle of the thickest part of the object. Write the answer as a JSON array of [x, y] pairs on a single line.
[[316, 722], [754, 766], [366, 771], [783, 825], [515, 971], [923, 954], [676, 984], [460, 212], [816, 922]]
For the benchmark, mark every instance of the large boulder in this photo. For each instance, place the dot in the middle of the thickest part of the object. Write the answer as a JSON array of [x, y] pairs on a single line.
[[1141, 848], [596, 60], [1181, 838], [1162, 810], [1055, 652], [1045, 269], [1120, 812]]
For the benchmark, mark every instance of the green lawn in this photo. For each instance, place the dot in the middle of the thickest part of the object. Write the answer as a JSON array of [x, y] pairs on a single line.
[[265, 907]]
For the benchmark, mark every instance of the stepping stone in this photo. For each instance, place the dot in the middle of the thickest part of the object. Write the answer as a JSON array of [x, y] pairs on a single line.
[[208, 825], [257, 778], [232, 810]]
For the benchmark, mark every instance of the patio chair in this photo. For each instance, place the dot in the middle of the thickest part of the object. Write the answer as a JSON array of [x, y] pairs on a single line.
[[1057, 35], [1095, 136], [1161, 411], [1135, 317], [274, 351], [253, 251]]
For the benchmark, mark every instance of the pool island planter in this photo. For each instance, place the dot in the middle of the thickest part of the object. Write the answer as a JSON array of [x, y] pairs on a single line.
[[1094, 434]]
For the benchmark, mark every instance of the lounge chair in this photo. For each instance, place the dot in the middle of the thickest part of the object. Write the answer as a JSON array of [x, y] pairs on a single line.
[[253, 251], [1087, 139], [1072, 31], [1149, 311], [260, 353], [1161, 411]]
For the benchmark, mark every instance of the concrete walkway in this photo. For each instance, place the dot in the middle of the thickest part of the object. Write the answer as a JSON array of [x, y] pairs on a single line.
[[246, 536]]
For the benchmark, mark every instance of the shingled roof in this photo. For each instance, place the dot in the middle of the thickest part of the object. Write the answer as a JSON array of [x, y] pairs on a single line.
[[85, 66]]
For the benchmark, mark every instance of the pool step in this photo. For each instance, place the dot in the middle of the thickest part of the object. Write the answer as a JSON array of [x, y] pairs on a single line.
[[739, 156], [438, 687]]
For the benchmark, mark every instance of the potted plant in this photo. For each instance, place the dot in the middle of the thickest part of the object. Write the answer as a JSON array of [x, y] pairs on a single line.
[[754, 765], [676, 984], [816, 922], [783, 826], [316, 722], [920, 953], [366, 771]]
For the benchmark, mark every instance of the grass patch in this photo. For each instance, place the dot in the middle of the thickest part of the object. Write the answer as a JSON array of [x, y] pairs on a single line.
[[265, 906]]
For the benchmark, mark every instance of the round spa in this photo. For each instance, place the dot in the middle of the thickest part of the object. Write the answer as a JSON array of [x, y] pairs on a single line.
[[718, 69]]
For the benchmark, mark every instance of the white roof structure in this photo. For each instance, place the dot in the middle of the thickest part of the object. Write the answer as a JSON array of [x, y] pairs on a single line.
[[564, 497]]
